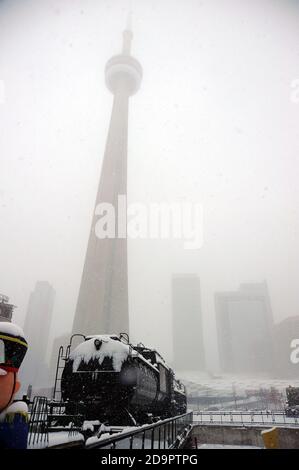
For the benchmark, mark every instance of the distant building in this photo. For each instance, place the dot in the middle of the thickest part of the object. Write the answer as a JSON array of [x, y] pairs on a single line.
[[37, 328], [284, 333], [6, 309], [245, 330], [188, 346]]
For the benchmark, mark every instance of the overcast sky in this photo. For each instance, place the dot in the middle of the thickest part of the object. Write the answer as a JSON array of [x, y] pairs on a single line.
[[212, 123]]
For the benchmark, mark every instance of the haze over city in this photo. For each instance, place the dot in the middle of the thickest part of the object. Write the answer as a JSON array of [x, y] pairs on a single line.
[[213, 123]]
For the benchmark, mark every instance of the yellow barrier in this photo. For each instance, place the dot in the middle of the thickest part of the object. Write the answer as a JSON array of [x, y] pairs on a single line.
[[270, 438]]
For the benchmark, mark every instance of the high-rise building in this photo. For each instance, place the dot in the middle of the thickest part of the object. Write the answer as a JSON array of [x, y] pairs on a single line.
[[245, 330], [285, 333], [6, 309], [102, 305], [37, 324], [188, 345]]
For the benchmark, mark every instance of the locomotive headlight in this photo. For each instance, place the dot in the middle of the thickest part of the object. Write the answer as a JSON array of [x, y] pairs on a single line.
[[128, 376], [97, 344]]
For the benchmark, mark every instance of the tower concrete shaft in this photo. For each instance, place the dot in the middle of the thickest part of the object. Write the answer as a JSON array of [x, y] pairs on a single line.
[[102, 305]]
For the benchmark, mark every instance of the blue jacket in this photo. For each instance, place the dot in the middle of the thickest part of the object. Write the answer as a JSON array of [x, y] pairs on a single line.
[[13, 429]]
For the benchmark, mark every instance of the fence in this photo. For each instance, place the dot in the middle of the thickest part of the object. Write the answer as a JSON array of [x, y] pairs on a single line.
[[46, 416], [245, 417], [38, 423], [48, 419], [166, 434]]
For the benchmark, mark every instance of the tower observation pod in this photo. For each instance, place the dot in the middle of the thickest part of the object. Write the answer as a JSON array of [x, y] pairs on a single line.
[[123, 72], [102, 305]]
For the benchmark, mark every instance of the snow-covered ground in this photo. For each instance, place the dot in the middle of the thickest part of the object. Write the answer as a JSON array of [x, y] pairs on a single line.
[[200, 381], [222, 446], [56, 439]]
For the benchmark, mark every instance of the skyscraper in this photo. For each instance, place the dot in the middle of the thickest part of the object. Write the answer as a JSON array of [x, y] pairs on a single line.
[[37, 324], [245, 330], [188, 346], [102, 305]]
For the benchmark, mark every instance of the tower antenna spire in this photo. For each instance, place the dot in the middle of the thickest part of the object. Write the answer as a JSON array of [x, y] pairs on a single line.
[[127, 35], [129, 21]]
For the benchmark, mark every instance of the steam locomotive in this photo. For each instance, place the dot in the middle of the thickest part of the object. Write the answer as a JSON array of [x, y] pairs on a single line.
[[108, 379]]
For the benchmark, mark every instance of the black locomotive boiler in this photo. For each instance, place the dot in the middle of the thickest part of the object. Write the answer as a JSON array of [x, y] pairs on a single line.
[[108, 379]]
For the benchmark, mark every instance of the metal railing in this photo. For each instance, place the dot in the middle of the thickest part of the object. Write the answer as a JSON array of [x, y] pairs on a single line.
[[245, 417], [47, 418], [166, 434], [38, 423], [59, 414], [45, 422]]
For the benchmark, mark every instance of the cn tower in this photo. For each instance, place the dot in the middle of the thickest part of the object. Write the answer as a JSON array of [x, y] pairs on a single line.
[[102, 305]]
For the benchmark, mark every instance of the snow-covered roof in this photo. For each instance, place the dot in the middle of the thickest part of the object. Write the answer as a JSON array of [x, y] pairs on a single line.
[[111, 348], [57, 439], [11, 329]]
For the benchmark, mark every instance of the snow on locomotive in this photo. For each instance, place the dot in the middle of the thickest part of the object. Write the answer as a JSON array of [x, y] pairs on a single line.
[[110, 380]]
